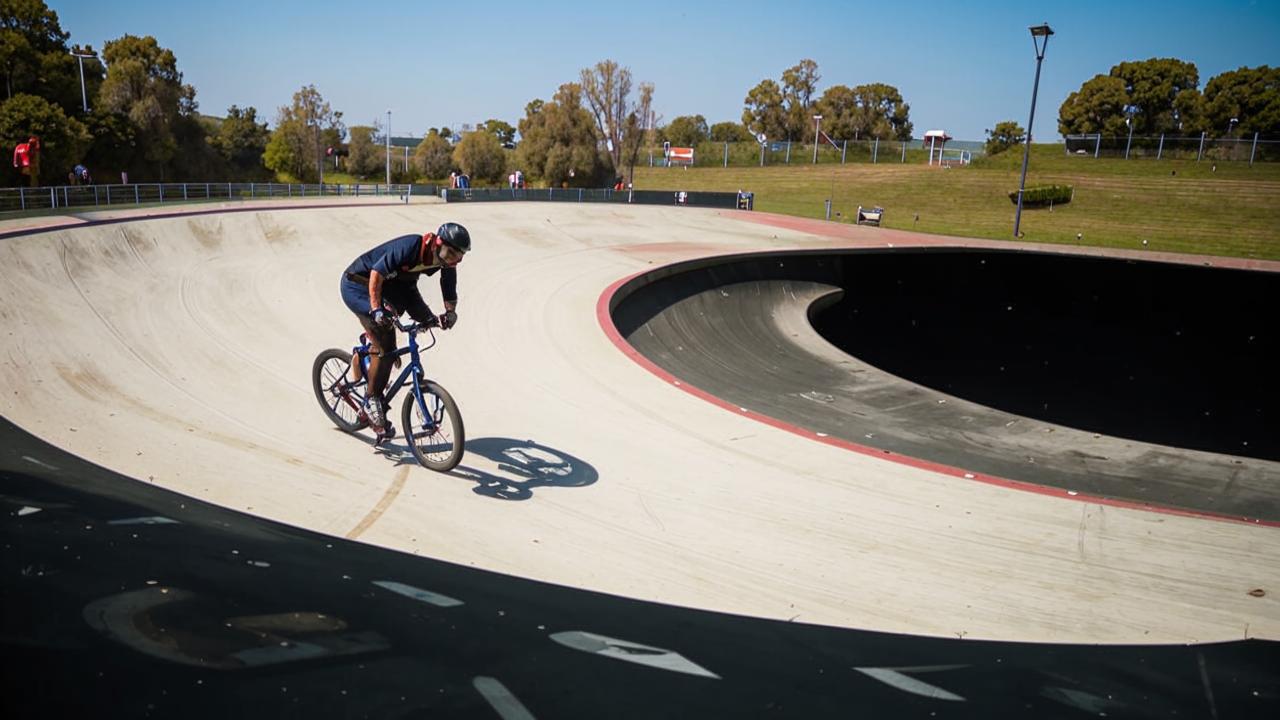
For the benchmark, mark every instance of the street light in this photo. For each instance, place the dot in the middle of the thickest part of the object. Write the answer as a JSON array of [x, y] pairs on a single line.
[[1037, 32], [84, 99], [388, 147], [1129, 111], [817, 125]]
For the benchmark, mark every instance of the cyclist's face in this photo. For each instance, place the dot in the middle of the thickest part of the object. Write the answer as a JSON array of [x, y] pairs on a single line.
[[449, 255]]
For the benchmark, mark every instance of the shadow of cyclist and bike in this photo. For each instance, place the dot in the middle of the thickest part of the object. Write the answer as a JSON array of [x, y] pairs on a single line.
[[522, 466]]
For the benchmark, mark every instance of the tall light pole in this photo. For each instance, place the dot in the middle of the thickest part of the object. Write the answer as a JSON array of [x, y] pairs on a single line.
[[817, 125], [388, 147], [1129, 111], [84, 99], [1037, 32]]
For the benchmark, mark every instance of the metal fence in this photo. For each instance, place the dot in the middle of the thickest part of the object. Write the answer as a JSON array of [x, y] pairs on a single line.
[[786, 152], [1247, 148], [591, 195], [81, 196]]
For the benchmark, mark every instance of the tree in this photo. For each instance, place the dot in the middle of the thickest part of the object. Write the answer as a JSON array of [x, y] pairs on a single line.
[[730, 132], [144, 84], [686, 131], [303, 129], [1153, 87], [63, 140], [1250, 95], [434, 156], [480, 155], [883, 112], [241, 140], [505, 133], [764, 112], [639, 130], [558, 142], [842, 116], [798, 84], [1161, 92], [365, 157], [1097, 107], [35, 59], [1006, 134], [606, 89]]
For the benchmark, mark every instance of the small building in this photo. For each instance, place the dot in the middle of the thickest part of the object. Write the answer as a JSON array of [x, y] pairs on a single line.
[[934, 142]]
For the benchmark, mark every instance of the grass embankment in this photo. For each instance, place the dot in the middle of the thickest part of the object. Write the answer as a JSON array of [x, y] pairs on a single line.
[[1175, 205]]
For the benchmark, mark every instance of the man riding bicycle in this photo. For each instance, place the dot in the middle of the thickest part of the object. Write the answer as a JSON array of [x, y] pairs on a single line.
[[382, 283]]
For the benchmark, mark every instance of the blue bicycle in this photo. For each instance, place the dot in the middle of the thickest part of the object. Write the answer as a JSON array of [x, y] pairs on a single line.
[[429, 417]]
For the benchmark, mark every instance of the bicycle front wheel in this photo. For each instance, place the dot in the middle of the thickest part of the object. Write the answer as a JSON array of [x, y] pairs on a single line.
[[340, 398], [436, 436]]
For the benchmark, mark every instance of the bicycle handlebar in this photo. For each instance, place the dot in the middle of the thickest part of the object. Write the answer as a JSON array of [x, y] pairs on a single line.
[[413, 327]]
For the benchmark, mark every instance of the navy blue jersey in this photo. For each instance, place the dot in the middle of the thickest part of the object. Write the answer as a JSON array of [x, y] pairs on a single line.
[[400, 263]]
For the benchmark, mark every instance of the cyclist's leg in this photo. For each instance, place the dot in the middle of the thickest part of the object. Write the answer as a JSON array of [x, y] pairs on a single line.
[[382, 345]]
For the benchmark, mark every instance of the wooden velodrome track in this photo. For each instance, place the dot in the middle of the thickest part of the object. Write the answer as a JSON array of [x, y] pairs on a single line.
[[177, 350]]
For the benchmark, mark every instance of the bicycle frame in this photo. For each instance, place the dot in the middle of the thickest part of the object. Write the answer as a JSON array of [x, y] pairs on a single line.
[[413, 370]]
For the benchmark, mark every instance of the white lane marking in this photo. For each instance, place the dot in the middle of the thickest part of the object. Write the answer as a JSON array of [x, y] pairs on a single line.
[[425, 596], [152, 520], [631, 652], [500, 698], [28, 510], [34, 461], [909, 684]]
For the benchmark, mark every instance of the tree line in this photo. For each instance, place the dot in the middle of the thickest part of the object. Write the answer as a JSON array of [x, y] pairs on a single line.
[[1162, 96], [142, 119]]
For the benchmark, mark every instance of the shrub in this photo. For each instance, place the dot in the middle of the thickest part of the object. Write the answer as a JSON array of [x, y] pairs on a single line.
[[1043, 195]]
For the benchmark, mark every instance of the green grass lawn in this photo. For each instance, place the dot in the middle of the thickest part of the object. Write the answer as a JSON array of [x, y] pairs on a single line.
[[1175, 205]]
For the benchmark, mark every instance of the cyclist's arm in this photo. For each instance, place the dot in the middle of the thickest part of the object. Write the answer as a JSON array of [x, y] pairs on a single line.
[[449, 287], [375, 290]]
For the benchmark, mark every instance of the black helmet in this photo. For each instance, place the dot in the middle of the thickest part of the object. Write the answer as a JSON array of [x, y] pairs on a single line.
[[455, 236]]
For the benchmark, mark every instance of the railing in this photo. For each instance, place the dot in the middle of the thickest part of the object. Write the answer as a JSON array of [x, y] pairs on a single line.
[[593, 195], [1250, 147], [68, 196]]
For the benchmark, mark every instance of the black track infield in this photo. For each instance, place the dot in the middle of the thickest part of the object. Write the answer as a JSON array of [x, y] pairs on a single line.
[[1143, 382], [120, 599]]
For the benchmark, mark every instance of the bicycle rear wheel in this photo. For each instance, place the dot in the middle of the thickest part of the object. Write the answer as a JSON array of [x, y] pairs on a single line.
[[340, 398], [436, 438]]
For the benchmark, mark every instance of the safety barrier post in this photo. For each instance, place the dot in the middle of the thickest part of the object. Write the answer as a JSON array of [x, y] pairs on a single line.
[[788, 152], [1200, 152], [761, 154], [228, 191], [904, 152], [137, 200], [844, 148], [1160, 150], [875, 151], [1253, 151], [22, 198], [251, 191], [95, 195], [53, 199], [726, 154], [184, 191]]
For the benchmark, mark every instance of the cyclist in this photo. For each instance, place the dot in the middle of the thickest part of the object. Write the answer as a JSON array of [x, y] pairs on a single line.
[[382, 283]]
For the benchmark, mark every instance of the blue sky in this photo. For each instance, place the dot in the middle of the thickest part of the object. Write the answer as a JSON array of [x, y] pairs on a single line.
[[961, 66]]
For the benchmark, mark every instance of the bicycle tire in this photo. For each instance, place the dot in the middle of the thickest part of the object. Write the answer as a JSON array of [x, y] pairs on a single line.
[[444, 443], [331, 366]]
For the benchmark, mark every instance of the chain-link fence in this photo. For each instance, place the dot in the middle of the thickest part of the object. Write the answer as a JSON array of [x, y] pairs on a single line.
[[786, 152], [743, 201], [1249, 148], [81, 196]]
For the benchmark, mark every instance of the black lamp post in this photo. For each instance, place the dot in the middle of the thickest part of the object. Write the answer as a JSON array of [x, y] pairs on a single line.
[[1037, 33]]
